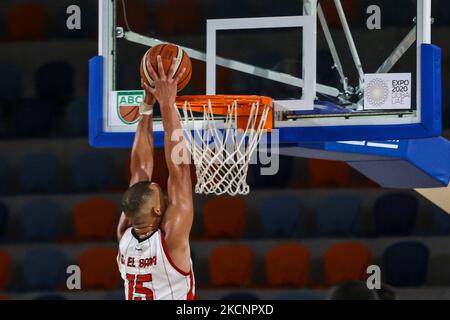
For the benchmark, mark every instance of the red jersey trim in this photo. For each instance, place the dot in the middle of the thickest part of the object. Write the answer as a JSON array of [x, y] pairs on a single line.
[[166, 252], [190, 295]]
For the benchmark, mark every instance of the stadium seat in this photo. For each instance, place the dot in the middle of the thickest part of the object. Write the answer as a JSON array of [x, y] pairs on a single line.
[[5, 269], [4, 177], [441, 222], [395, 214], [280, 180], [93, 171], [325, 173], [300, 295], [41, 220], [337, 215], [4, 297], [33, 118], [240, 296], [281, 216], [76, 118], [55, 83], [39, 173], [43, 269], [99, 267], [95, 220], [406, 264], [224, 217], [4, 219], [346, 261], [287, 265], [27, 22], [231, 266], [11, 87]]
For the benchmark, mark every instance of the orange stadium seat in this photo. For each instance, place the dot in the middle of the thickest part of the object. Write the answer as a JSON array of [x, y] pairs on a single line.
[[5, 269], [224, 217], [95, 219], [287, 265], [27, 22], [99, 268], [345, 262], [231, 266], [325, 173]]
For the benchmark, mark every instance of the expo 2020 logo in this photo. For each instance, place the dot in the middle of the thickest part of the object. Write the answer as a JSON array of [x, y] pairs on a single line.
[[377, 92]]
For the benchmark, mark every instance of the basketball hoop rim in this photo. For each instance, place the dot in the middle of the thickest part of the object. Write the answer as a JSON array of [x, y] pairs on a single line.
[[220, 103]]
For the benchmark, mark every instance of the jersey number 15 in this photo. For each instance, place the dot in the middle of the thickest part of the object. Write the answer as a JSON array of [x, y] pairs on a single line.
[[136, 286]]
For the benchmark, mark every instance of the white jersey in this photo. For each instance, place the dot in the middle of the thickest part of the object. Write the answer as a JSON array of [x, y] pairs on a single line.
[[148, 270]]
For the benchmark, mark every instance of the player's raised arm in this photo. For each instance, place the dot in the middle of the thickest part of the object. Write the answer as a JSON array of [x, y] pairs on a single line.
[[141, 163], [177, 221]]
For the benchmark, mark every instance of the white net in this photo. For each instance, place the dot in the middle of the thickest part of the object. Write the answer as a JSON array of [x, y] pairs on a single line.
[[222, 151]]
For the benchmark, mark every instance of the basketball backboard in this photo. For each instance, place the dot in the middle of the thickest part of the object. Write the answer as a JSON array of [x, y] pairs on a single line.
[[336, 69]]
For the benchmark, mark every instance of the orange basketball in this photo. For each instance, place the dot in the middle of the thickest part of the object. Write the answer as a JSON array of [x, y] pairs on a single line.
[[167, 53]]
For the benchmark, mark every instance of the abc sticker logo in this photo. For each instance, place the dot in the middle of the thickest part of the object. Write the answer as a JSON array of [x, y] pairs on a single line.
[[128, 106]]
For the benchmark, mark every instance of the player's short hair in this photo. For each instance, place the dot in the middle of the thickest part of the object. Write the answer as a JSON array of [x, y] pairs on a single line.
[[135, 197]]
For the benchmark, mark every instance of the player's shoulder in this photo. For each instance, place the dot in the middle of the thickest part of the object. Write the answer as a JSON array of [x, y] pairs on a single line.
[[127, 237]]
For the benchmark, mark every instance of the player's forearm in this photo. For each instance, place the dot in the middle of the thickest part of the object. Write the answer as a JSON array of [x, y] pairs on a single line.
[[173, 137], [142, 152]]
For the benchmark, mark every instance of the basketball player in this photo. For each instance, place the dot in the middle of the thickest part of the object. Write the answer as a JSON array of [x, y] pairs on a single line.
[[154, 253]]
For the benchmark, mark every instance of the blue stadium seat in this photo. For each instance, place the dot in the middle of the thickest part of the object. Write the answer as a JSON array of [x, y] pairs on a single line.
[[55, 83], [4, 219], [41, 220], [300, 295], [441, 222], [11, 86], [406, 264], [43, 268], [93, 171], [395, 214], [240, 296], [39, 173], [265, 181], [337, 215], [33, 118], [76, 118], [280, 216], [4, 177]]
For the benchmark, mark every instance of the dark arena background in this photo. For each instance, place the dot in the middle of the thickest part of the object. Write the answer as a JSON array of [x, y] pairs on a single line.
[[316, 230]]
